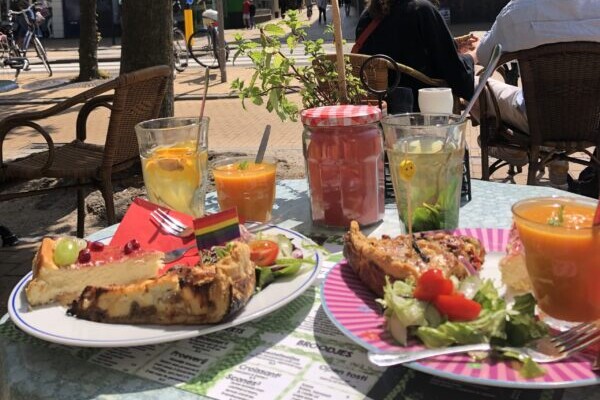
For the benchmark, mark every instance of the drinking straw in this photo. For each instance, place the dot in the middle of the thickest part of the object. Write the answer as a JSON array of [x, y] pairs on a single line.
[[339, 51], [263, 145], [206, 78], [489, 70]]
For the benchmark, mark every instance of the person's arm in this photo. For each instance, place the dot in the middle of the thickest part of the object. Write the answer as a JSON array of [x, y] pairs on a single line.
[[456, 69], [486, 45]]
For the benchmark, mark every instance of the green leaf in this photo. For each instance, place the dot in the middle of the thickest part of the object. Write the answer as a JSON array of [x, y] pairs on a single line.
[[274, 30]]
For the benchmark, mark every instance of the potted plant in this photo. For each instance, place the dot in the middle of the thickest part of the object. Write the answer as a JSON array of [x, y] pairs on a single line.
[[276, 74]]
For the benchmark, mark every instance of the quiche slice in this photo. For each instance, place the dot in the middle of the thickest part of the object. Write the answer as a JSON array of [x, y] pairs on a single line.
[[204, 294], [97, 265], [372, 259]]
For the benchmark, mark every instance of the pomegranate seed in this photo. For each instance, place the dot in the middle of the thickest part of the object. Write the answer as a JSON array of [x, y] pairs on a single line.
[[96, 246], [128, 249], [85, 256], [135, 244]]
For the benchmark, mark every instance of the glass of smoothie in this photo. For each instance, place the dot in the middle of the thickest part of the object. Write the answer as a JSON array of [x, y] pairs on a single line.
[[246, 185], [562, 253], [433, 145], [174, 154]]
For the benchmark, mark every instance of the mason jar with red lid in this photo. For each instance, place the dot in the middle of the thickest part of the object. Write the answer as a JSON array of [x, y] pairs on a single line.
[[344, 156]]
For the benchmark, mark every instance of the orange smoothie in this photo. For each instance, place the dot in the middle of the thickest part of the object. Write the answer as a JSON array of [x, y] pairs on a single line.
[[246, 185], [562, 253]]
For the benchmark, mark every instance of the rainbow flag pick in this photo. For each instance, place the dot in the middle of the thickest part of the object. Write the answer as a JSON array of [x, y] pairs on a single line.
[[217, 229]]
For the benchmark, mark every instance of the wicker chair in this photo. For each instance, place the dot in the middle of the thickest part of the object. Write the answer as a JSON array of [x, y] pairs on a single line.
[[137, 97], [561, 86]]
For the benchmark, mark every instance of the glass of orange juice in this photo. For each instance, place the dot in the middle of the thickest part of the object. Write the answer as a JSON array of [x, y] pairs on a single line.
[[242, 183], [174, 153], [562, 253]]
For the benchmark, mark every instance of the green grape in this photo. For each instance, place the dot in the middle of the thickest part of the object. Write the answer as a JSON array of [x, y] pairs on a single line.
[[66, 252]]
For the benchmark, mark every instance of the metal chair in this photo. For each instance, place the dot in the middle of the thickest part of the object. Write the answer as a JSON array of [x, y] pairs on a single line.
[[137, 97]]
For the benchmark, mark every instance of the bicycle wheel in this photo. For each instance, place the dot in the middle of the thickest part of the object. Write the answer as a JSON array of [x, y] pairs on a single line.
[[41, 52], [200, 47], [180, 51]]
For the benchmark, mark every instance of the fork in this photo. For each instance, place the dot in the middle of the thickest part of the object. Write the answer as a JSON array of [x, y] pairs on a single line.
[[175, 227], [169, 224], [544, 350], [176, 254]]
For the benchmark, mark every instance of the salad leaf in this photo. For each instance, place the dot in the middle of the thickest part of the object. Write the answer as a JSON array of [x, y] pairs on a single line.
[[264, 276], [488, 297], [522, 327], [401, 309], [489, 324], [529, 369]]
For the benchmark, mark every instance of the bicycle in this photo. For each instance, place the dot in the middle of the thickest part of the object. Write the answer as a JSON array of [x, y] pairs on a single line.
[[203, 43], [17, 56], [180, 51]]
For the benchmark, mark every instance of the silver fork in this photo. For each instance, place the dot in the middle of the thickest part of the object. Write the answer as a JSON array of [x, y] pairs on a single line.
[[544, 350], [176, 254], [170, 225]]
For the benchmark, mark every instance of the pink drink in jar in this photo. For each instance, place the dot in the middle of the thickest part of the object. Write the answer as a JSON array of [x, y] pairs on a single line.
[[344, 156]]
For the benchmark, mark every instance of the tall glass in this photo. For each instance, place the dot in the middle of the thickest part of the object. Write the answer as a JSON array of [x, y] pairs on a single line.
[[434, 146], [246, 185], [174, 153], [562, 255]]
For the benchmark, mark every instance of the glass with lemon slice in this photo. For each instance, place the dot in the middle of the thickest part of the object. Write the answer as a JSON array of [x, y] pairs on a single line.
[[430, 148], [174, 153]]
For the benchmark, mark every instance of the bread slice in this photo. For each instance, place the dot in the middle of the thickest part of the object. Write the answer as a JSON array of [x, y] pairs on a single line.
[[204, 294], [109, 266], [372, 259]]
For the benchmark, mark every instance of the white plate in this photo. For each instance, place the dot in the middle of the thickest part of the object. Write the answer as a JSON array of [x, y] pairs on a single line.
[[52, 324]]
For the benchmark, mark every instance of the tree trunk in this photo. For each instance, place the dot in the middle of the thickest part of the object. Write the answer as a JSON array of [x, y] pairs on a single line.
[[88, 42], [147, 40]]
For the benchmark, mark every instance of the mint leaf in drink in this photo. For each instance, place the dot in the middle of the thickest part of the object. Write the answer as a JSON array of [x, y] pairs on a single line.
[[557, 217], [243, 165]]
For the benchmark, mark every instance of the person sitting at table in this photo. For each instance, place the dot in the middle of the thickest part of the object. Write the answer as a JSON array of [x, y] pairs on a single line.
[[414, 33], [525, 24]]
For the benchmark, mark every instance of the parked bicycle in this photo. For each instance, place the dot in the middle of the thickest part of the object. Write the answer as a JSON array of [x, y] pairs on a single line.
[[203, 43], [11, 54], [180, 51]]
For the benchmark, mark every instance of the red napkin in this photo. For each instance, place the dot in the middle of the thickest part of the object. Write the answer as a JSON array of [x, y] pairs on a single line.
[[137, 224]]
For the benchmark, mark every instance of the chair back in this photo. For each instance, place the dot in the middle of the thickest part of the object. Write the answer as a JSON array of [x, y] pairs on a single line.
[[138, 97], [561, 85]]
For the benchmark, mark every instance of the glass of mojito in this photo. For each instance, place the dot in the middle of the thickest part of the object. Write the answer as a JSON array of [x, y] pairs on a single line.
[[433, 147]]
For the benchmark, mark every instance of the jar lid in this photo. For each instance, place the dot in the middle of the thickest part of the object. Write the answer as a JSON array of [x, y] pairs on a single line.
[[341, 115]]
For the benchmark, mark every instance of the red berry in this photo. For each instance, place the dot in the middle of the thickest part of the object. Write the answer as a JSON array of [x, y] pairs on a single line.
[[135, 244], [128, 248], [85, 256], [96, 246]]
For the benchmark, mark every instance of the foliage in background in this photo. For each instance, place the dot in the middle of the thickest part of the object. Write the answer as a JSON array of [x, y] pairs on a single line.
[[276, 74]]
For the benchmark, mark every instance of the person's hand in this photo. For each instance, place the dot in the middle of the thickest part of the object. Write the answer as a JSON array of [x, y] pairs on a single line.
[[473, 54], [466, 43]]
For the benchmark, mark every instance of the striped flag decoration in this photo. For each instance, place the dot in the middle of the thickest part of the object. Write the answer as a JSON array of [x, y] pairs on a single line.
[[217, 229]]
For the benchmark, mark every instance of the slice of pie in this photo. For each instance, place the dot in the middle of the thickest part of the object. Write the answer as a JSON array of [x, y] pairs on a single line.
[[204, 294], [97, 265], [372, 259]]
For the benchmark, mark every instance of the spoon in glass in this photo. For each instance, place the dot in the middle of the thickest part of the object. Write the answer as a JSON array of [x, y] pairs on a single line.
[[263, 145]]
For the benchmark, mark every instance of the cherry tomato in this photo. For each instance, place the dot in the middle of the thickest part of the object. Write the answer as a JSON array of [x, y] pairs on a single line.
[[457, 307], [263, 252], [431, 284]]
